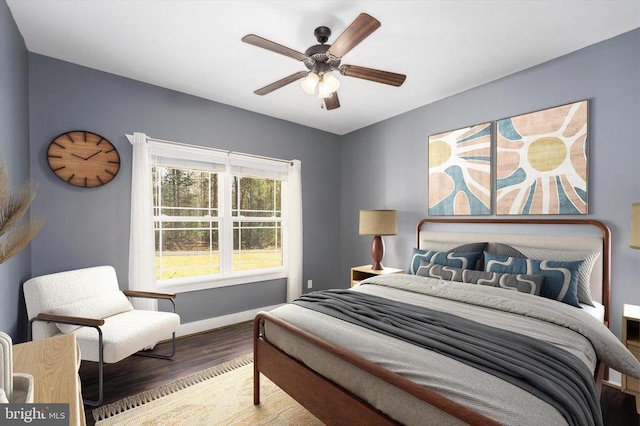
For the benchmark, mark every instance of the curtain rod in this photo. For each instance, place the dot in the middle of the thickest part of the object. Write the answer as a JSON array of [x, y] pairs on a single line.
[[130, 138]]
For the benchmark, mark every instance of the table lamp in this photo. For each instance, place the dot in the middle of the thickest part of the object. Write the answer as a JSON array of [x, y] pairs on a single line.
[[378, 223]]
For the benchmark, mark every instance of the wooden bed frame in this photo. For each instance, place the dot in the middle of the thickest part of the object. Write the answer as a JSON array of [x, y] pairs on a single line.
[[333, 404]]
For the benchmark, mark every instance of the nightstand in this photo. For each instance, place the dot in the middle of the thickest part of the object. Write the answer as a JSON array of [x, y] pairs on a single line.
[[359, 273], [631, 339]]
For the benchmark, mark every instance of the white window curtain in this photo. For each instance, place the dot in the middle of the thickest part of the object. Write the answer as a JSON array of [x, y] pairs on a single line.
[[294, 181], [142, 272]]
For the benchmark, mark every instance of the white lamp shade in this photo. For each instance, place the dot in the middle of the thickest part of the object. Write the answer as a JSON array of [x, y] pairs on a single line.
[[634, 241], [327, 85], [323, 92], [331, 82], [310, 82], [378, 222]]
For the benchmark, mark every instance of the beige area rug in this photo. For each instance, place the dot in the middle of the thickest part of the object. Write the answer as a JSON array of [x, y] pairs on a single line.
[[221, 395]]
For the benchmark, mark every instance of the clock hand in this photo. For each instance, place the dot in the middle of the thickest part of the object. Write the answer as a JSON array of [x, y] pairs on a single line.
[[76, 155], [93, 155]]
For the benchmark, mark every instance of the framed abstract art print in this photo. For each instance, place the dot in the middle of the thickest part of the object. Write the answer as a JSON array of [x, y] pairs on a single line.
[[541, 162], [460, 171]]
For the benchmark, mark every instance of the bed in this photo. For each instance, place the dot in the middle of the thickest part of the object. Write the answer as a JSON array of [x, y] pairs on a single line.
[[349, 369]]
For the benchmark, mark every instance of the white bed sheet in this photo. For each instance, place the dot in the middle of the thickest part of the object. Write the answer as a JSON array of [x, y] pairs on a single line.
[[597, 311]]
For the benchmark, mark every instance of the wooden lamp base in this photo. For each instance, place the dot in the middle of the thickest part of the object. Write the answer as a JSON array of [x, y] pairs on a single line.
[[377, 251]]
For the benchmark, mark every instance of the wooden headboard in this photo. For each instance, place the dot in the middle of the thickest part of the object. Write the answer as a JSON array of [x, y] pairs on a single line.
[[559, 234]]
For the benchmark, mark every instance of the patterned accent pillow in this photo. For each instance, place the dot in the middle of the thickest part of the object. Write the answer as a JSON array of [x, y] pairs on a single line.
[[584, 274], [443, 272], [456, 247], [530, 284], [522, 283], [560, 278], [457, 260]]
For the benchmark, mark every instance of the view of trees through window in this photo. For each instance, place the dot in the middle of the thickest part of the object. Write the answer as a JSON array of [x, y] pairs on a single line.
[[191, 223]]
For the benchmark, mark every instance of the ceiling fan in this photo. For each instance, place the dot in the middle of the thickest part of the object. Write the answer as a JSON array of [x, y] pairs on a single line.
[[322, 59]]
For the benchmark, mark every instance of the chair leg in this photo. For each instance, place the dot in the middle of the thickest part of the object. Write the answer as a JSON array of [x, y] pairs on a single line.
[[100, 358], [162, 356], [173, 342], [100, 373], [101, 366]]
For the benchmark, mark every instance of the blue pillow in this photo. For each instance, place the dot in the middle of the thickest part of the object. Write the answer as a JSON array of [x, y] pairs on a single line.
[[560, 278], [457, 260]]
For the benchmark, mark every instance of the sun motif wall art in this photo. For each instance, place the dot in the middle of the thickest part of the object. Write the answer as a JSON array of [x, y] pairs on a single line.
[[541, 162], [460, 172]]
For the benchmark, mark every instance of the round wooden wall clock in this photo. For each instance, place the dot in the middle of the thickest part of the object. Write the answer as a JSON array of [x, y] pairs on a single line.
[[84, 159]]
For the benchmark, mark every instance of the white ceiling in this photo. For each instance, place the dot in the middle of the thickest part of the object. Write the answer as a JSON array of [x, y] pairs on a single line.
[[444, 47]]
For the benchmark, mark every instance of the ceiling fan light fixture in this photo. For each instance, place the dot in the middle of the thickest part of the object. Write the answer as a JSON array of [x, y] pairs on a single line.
[[327, 85], [323, 91], [331, 82], [310, 82]]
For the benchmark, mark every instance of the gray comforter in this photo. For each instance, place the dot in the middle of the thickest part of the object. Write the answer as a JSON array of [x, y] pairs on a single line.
[[547, 372], [561, 325]]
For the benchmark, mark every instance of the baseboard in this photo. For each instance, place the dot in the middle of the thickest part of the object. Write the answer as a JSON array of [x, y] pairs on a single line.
[[217, 322]]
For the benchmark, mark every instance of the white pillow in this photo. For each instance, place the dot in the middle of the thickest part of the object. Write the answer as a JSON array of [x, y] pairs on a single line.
[[96, 307]]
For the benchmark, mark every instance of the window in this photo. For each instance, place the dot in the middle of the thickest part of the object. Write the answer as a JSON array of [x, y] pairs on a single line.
[[257, 223], [186, 222], [218, 217]]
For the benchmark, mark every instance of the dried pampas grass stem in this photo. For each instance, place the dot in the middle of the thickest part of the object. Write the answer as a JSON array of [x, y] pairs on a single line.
[[15, 230]]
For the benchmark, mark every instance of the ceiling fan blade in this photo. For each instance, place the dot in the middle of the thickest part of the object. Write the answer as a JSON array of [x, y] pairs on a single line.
[[274, 47], [359, 29], [332, 102], [281, 83], [371, 74]]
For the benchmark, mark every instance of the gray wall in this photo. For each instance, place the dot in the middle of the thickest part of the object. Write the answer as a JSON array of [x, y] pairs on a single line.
[[14, 150], [87, 227], [608, 74]]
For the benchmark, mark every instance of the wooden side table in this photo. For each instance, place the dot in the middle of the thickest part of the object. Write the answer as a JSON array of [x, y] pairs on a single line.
[[631, 339], [54, 364], [359, 273]]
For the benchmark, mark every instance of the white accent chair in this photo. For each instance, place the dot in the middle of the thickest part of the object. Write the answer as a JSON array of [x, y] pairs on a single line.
[[16, 388], [89, 303]]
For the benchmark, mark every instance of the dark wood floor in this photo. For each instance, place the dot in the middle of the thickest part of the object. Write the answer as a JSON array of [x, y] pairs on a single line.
[[138, 373], [195, 353]]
